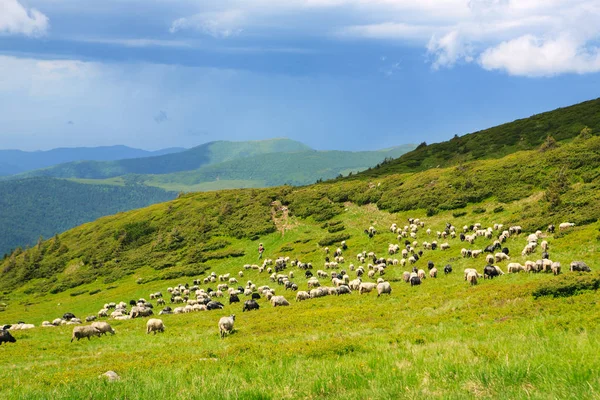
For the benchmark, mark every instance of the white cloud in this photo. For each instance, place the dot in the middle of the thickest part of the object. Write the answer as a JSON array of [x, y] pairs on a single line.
[[140, 42], [15, 19], [219, 24], [531, 56]]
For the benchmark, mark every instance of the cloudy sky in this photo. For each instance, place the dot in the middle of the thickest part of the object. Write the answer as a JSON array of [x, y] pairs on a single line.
[[334, 74]]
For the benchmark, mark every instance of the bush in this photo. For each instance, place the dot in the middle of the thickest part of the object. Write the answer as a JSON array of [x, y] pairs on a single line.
[[478, 210], [431, 211], [331, 239], [95, 291], [78, 293], [498, 209], [567, 285], [286, 249], [337, 228], [459, 214]]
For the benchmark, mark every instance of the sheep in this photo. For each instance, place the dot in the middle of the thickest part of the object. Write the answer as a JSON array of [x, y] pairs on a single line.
[[226, 325], [366, 287], [565, 225], [406, 276], [476, 253], [302, 295], [489, 259], [155, 325], [279, 301], [514, 268], [433, 272], [472, 278], [501, 257], [103, 327], [444, 246], [6, 337], [580, 266], [250, 305], [544, 245], [384, 288], [414, 280], [421, 274], [85, 331], [555, 268]]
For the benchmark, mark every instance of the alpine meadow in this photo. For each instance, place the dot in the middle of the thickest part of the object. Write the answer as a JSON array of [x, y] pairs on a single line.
[[464, 269]]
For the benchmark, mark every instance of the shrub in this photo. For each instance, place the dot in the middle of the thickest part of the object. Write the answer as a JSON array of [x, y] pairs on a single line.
[[336, 228], [331, 239], [95, 291], [478, 210], [78, 293], [459, 214], [431, 211], [567, 286], [498, 209]]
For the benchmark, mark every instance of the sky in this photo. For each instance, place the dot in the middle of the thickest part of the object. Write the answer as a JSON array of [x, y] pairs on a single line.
[[333, 74]]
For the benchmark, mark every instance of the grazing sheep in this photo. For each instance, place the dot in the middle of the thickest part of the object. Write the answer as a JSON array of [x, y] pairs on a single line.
[[501, 257], [85, 331], [489, 272], [544, 245], [555, 268], [565, 225], [472, 278], [489, 259], [226, 325], [444, 246], [421, 274], [250, 305], [580, 266], [103, 327], [447, 269], [366, 287], [5, 336], [302, 295], [514, 268], [415, 280], [155, 325], [279, 301], [406, 276], [384, 288], [433, 272]]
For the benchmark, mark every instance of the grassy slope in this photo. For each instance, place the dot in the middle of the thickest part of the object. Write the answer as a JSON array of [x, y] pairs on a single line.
[[493, 143], [441, 340], [208, 153], [299, 168], [36, 207]]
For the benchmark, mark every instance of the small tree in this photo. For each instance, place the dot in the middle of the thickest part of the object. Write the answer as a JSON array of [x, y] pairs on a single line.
[[549, 144], [585, 133]]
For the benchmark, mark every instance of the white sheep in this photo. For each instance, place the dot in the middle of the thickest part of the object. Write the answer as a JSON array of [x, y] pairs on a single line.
[[433, 272], [565, 225], [226, 325], [155, 325], [472, 278], [85, 332], [302, 295], [501, 257], [279, 301], [384, 288], [489, 259], [366, 287]]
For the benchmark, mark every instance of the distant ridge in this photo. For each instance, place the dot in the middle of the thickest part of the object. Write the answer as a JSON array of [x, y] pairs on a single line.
[[18, 161]]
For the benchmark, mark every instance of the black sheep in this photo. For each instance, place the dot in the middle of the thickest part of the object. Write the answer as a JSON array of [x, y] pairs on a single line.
[[489, 272], [5, 336], [415, 280], [233, 298], [447, 269], [430, 265], [68, 316], [505, 250], [250, 305], [215, 305], [255, 296]]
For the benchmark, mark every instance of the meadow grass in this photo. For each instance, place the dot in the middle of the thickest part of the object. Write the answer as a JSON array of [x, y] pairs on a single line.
[[442, 340]]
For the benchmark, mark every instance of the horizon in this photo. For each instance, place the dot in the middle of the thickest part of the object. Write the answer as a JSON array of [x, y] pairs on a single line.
[[333, 74]]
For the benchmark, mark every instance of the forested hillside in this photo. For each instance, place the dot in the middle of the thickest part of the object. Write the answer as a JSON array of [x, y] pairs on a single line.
[[17, 161], [300, 168], [562, 124], [193, 158], [41, 207]]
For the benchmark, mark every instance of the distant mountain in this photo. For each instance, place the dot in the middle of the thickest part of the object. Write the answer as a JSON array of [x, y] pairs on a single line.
[[208, 153], [273, 169], [17, 161], [34, 207]]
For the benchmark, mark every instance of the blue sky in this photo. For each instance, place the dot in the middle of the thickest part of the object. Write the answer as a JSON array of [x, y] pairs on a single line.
[[334, 74]]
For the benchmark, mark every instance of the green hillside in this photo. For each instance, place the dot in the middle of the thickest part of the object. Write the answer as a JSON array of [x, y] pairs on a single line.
[[193, 158], [41, 207], [562, 124], [300, 168], [520, 335]]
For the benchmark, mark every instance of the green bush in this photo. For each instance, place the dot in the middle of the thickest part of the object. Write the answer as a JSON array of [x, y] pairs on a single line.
[[478, 210], [95, 291], [459, 214], [79, 292], [498, 209], [336, 228], [568, 286], [331, 239]]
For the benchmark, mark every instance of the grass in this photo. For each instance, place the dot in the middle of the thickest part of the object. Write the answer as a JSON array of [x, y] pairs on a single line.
[[442, 340]]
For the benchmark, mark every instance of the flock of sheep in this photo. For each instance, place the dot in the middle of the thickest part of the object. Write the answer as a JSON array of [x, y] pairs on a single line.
[[188, 298]]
